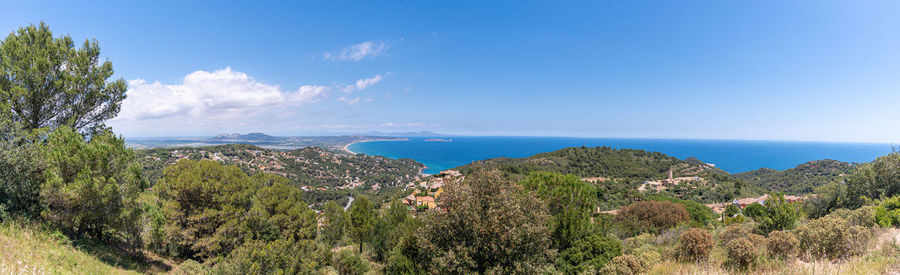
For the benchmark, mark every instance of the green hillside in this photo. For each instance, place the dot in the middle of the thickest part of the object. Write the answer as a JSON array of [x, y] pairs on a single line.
[[585, 162], [623, 170], [802, 179]]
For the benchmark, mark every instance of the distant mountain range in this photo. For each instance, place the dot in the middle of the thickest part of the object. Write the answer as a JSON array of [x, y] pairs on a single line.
[[250, 136], [404, 134], [265, 137]]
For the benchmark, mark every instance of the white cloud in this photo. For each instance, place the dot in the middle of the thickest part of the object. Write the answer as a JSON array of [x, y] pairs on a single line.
[[358, 52], [220, 94], [362, 84], [349, 100]]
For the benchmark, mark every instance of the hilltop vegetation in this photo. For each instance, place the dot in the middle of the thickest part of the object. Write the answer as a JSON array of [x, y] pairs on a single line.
[[601, 161], [803, 179], [621, 171]]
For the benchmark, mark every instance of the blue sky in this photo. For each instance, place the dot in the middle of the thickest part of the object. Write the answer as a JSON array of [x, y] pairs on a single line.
[[773, 70]]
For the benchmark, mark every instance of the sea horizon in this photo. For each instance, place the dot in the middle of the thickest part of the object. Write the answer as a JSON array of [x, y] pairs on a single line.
[[733, 156]]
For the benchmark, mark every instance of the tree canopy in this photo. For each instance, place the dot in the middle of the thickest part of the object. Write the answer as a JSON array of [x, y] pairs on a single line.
[[46, 82]]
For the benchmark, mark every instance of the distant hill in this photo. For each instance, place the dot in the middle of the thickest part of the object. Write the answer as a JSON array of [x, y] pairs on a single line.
[[802, 179], [404, 134], [258, 139], [623, 170], [605, 162], [247, 137]]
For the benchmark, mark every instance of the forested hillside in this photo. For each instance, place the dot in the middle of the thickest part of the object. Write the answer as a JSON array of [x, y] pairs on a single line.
[[622, 171], [584, 162], [803, 179]]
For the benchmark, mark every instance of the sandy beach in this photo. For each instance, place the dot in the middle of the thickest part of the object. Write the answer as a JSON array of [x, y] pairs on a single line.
[[346, 147]]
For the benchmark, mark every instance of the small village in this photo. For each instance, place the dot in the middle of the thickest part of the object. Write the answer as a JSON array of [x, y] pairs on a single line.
[[426, 193], [329, 170]]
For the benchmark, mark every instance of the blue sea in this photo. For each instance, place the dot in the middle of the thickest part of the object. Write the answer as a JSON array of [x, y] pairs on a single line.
[[734, 156]]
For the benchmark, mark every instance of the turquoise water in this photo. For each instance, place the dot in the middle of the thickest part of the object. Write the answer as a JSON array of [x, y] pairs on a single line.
[[730, 155]]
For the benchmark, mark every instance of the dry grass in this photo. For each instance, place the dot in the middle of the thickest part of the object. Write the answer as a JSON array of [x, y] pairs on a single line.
[[26, 249], [883, 258]]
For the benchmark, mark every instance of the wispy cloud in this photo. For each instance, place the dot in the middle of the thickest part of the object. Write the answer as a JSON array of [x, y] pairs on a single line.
[[357, 52], [362, 84], [359, 85]]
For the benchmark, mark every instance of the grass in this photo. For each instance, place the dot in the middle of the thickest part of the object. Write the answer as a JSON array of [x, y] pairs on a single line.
[[881, 259], [26, 248]]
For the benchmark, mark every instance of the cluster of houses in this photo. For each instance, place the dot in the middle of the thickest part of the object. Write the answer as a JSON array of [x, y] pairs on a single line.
[[670, 182], [427, 192], [718, 208]]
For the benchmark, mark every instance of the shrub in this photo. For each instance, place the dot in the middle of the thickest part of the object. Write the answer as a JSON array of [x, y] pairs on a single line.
[[782, 244], [274, 257], [865, 216], [591, 251], [737, 219], [832, 237], [630, 244], [780, 215], [695, 245], [349, 263], [623, 265], [188, 267], [653, 216], [701, 214], [754, 210], [731, 210], [735, 231], [742, 253], [647, 256], [887, 213]]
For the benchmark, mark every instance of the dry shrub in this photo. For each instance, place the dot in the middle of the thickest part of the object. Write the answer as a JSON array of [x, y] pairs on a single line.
[[623, 265], [863, 216], [742, 253], [648, 256], [782, 244], [832, 237], [735, 231], [695, 245], [646, 216], [630, 244]]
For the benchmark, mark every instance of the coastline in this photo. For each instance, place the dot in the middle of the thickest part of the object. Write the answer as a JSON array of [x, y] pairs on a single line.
[[346, 147]]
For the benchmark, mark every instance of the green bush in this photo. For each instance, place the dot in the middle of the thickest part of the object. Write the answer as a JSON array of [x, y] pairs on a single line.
[[590, 252], [782, 244], [779, 215], [188, 267], [275, 257], [623, 265], [731, 210], [832, 237], [754, 210], [695, 245], [887, 213], [742, 253], [350, 263], [737, 219]]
